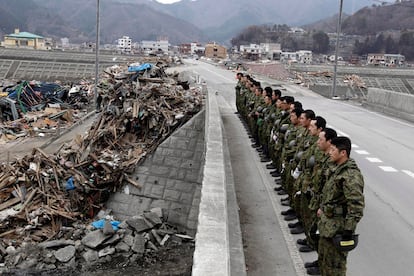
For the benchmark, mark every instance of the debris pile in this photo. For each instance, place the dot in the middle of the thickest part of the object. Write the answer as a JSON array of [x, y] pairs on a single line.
[[41, 195], [309, 78], [85, 246], [272, 70], [37, 108], [354, 81]]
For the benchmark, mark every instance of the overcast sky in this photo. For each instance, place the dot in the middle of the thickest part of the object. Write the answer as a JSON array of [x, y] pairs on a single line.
[[168, 1]]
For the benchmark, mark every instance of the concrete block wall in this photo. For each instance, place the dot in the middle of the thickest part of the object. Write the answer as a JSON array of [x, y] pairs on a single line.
[[397, 104], [171, 178], [341, 91]]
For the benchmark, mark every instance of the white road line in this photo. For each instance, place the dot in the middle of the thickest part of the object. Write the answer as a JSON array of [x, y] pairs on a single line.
[[388, 169], [341, 133], [374, 160], [409, 173], [355, 146], [362, 152]]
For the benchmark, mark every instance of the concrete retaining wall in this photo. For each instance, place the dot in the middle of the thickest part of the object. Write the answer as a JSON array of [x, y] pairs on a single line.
[[187, 177], [344, 92], [397, 104], [170, 177]]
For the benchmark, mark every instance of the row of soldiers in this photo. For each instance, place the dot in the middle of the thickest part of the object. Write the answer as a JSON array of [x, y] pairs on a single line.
[[312, 168]]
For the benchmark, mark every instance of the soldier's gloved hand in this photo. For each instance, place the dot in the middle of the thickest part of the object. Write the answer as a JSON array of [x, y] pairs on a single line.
[[347, 235]]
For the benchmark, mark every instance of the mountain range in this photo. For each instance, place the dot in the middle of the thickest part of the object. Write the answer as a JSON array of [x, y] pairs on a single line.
[[184, 21]]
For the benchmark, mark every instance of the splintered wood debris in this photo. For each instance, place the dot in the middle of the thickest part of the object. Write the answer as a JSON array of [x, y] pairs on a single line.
[[41, 193]]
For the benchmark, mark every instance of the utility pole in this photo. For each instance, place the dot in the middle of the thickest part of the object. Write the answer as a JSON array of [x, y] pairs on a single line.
[[95, 96], [338, 33]]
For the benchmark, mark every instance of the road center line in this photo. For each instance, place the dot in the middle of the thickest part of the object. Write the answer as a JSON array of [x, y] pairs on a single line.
[[409, 173], [362, 152], [388, 169], [374, 160]]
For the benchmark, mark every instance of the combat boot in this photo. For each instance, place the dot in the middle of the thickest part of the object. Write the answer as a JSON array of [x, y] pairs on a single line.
[[297, 230], [313, 270], [312, 264], [302, 242], [305, 249], [288, 212]]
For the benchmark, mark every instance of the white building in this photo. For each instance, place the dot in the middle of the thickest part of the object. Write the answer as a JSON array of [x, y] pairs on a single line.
[[65, 42], [196, 48], [289, 57], [252, 51], [125, 44], [158, 46], [304, 56], [296, 30], [271, 50], [387, 60]]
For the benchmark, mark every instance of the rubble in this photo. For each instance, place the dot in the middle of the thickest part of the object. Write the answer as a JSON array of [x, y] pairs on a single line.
[[126, 245], [51, 197], [38, 108], [354, 81]]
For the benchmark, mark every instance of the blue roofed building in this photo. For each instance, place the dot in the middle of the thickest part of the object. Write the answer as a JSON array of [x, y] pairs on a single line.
[[24, 40]]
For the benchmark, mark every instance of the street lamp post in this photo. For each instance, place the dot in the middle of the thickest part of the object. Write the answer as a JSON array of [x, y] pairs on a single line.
[[338, 33], [95, 96]]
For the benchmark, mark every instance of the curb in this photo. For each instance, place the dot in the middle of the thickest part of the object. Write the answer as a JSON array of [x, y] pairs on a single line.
[[212, 254]]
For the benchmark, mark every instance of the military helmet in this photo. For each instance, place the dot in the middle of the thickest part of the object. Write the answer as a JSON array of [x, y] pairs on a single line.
[[284, 128], [298, 156], [277, 122], [311, 161], [345, 245], [259, 109], [273, 116], [292, 143]]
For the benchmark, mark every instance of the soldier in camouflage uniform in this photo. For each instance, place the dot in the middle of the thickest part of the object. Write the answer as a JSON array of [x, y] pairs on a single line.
[[279, 129], [244, 95], [239, 77], [264, 127], [302, 143], [320, 174], [310, 156], [277, 115], [341, 207], [289, 149]]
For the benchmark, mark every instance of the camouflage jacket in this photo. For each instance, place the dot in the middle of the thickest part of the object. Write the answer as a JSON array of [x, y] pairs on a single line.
[[342, 200], [320, 174]]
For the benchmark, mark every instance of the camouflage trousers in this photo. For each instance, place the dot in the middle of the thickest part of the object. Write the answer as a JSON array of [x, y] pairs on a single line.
[[332, 262], [307, 218]]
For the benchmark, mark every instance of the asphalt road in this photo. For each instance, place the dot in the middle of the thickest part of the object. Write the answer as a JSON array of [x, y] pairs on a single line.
[[383, 149]]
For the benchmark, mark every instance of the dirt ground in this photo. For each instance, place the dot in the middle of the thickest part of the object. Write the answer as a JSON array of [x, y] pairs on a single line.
[[173, 260]]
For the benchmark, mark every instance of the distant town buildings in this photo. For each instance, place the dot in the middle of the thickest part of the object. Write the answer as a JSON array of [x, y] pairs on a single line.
[[193, 48], [272, 51], [24, 40], [386, 60]]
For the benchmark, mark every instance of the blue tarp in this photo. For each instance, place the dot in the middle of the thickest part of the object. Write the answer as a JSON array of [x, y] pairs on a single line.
[[140, 68], [99, 224]]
